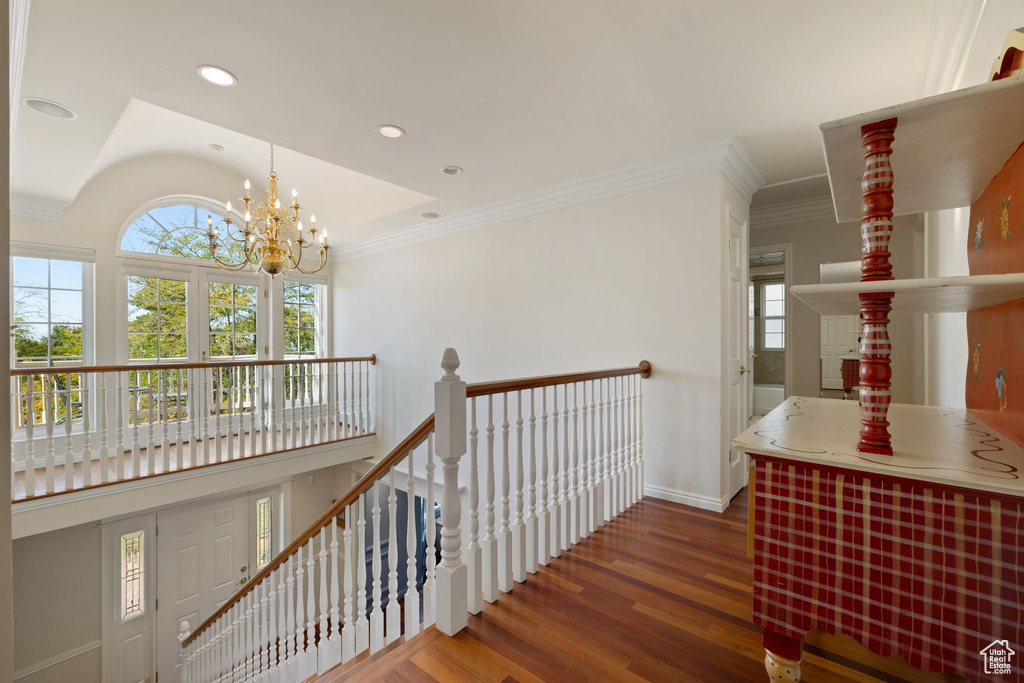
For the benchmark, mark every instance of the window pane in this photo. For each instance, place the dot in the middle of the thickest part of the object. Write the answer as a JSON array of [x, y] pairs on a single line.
[[172, 290], [308, 294], [66, 340], [178, 216], [31, 272], [142, 288], [220, 318], [245, 295], [775, 291], [31, 341], [30, 305], [307, 318], [773, 341], [132, 575], [66, 274], [307, 339], [291, 340], [773, 326], [220, 294], [291, 292], [65, 306], [173, 346], [220, 345], [142, 318], [773, 308], [245, 320], [143, 235], [173, 318], [245, 345], [264, 531], [142, 347]]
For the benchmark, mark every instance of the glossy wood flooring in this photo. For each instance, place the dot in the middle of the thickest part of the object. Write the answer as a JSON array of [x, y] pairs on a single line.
[[663, 593]]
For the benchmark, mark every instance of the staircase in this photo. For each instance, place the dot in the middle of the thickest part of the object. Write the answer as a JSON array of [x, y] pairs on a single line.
[[550, 461]]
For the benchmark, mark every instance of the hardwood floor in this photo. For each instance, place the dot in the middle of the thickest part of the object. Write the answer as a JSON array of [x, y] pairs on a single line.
[[662, 593]]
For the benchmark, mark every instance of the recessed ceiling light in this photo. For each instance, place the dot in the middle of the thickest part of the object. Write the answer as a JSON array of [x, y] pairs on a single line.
[[451, 170], [389, 131], [50, 108], [430, 215], [217, 75], [216, 148]]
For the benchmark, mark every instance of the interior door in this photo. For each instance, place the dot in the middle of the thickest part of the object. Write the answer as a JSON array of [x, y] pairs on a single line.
[[838, 338], [202, 559], [738, 349]]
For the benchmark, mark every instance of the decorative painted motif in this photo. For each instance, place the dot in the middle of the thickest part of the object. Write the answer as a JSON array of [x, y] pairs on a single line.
[[1001, 388], [978, 242], [1004, 220], [977, 360]]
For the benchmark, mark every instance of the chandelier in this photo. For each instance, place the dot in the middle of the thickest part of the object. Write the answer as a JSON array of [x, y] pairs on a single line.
[[272, 239]]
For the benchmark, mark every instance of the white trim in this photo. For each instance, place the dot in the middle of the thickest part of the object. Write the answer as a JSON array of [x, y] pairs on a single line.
[[785, 214], [954, 26], [53, 661], [725, 157], [36, 208], [52, 251], [18, 35], [692, 499]]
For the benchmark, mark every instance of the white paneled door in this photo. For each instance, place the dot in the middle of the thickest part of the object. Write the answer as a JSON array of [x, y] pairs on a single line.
[[202, 559], [738, 349], [838, 338]]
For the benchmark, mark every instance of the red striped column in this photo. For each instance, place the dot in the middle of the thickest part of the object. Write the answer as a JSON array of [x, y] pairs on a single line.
[[875, 230]]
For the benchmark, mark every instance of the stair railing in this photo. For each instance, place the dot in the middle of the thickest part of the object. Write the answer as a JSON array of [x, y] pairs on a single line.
[[337, 592], [80, 427]]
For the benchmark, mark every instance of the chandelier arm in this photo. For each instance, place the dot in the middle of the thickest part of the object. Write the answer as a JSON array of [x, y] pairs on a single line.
[[323, 262]]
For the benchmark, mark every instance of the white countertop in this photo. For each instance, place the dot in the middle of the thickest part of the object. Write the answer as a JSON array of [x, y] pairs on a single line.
[[940, 445]]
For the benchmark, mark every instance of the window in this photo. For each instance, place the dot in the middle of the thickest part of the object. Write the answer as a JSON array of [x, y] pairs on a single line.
[[301, 320], [157, 320], [176, 230], [132, 575], [773, 315], [264, 532], [232, 321], [48, 301]]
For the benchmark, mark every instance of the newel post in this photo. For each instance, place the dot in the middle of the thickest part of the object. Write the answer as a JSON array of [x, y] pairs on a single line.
[[450, 445]]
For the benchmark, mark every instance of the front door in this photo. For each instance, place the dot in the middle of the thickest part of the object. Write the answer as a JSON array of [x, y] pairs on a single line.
[[202, 559]]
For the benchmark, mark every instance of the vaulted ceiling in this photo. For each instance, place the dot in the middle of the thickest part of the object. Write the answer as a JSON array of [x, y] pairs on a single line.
[[522, 95]]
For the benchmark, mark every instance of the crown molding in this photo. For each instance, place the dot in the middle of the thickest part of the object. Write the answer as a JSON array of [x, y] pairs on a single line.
[[954, 26], [37, 208], [18, 18], [791, 212], [725, 157]]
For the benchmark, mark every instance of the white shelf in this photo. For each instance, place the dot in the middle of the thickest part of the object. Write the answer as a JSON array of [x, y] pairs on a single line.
[[919, 295], [946, 151]]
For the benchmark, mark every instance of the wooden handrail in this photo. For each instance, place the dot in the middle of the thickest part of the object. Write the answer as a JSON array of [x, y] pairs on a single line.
[[86, 369], [417, 437], [504, 386]]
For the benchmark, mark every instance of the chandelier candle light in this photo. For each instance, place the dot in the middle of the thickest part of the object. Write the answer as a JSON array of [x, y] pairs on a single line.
[[272, 238]]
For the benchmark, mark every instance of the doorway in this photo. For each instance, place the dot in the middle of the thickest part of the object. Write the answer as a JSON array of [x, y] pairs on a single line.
[[770, 340]]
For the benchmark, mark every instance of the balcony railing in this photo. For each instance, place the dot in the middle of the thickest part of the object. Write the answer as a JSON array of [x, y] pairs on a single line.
[[79, 427]]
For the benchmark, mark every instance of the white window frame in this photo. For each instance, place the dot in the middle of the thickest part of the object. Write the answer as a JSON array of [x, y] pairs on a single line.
[[215, 275], [320, 308], [765, 317]]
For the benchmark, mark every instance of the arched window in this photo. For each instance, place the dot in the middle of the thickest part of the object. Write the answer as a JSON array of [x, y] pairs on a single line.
[[176, 230]]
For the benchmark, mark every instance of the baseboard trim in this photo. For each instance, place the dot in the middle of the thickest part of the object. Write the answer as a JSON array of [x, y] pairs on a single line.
[[692, 499], [53, 661]]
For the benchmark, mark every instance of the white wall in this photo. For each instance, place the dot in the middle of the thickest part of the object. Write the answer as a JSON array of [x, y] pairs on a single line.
[[600, 285], [57, 603], [816, 241], [946, 235]]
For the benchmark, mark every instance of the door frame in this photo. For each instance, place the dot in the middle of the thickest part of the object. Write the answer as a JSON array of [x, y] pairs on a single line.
[[787, 275]]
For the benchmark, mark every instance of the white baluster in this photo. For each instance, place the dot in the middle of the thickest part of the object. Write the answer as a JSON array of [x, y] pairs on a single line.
[[193, 418], [104, 440], [543, 521], [322, 648], [640, 438], [450, 430], [364, 402], [505, 578], [394, 613], [302, 380], [489, 561], [284, 571], [531, 516], [300, 615], [566, 492], [345, 426], [239, 402], [351, 561], [376, 614], [518, 525], [334, 642], [262, 375], [150, 426], [412, 601], [69, 457], [30, 460], [161, 416], [620, 486], [252, 373], [599, 479], [473, 552], [229, 407], [359, 559], [272, 640], [574, 477], [263, 652], [631, 431], [333, 433], [556, 499], [119, 413], [83, 388], [218, 401], [583, 528], [203, 414], [310, 656], [290, 640], [593, 512], [429, 594], [251, 660]]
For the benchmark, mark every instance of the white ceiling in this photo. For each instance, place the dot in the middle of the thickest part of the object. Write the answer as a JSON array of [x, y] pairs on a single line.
[[523, 95]]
